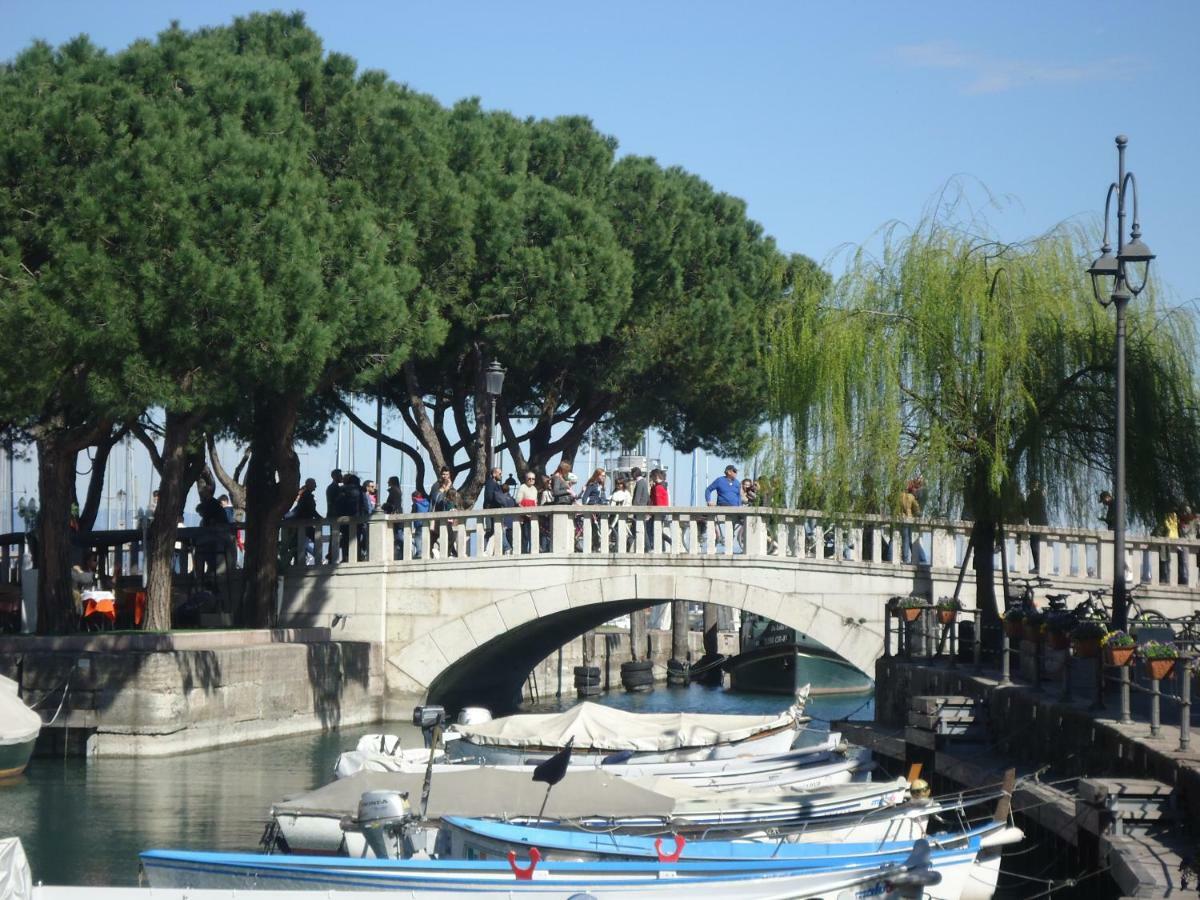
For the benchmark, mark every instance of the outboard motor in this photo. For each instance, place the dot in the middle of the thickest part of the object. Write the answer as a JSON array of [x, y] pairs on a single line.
[[384, 817]]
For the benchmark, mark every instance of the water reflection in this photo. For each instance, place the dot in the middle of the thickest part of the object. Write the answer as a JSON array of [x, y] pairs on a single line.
[[84, 823]]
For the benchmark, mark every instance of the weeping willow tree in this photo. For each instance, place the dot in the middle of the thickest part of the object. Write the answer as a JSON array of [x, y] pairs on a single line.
[[981, 367]]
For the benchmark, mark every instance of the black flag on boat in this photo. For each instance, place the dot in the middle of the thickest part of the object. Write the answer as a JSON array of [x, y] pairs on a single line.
[[552, 770]]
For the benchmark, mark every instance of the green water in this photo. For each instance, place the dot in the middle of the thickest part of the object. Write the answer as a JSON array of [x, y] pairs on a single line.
[[83, 823]]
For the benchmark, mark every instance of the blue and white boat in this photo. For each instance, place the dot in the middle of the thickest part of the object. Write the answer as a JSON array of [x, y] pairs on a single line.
[[418, 879], [488, 839]]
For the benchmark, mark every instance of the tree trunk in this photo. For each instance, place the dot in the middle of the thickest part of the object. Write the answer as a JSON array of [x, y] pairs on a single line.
[[181, 462], [272, 480], [983, 539], [90, 509], [56, 479]]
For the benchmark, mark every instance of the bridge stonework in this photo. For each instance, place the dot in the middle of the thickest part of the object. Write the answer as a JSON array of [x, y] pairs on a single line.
[[471, 626]]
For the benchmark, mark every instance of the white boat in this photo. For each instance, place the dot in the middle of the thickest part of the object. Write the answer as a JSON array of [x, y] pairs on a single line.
[[599, 731], [19, 728], [816, 765], [313, 822], [760, 880]]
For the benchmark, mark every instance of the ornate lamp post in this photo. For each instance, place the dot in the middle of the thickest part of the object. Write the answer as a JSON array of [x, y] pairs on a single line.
[[1111, 285], [494, 384]]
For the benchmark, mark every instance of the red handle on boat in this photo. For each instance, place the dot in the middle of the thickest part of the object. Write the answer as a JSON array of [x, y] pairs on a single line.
[[525, 874], [680, 840]]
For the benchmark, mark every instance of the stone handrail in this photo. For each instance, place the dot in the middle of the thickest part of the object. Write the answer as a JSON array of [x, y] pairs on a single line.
[[745, 532]]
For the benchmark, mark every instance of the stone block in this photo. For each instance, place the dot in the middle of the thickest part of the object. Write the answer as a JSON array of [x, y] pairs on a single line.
[[484, 624], [550, 600], [623, 587], [656, 585], [421, 662], [586, 592], [516, 610], [454, 639]]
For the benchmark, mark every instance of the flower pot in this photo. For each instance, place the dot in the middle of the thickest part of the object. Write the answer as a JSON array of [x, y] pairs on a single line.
[[911, 614], [1158, 669], [1087, 648], [1059, 640], [947, 616], [1013, 629], [1117, 656]]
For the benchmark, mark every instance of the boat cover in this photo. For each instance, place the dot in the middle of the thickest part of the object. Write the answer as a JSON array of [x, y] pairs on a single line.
[[15, 880], [597, 727], [18, 723], [480, 792]]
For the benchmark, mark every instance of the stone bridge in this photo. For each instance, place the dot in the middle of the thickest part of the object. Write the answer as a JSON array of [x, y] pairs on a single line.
[[461, 615]]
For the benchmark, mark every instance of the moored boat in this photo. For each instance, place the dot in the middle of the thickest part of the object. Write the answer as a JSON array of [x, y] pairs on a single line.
[[313, 822], [774, 658], [487, 839], [598, 731], [19, 728], [756, 880]]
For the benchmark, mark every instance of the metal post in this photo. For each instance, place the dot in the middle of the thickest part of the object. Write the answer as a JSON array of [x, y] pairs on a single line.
[[978, 641], [1005, 662], [378, 450], [1066, 679], [1037, 663], [1185, 703], [1120, 299], [887, 632], [1126, 717], [928, 621], [1155, 696]]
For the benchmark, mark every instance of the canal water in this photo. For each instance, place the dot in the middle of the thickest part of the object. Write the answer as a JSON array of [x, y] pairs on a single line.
[[83, 823]]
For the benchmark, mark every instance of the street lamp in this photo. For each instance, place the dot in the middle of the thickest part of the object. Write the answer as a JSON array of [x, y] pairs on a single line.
[[493, 381], [1111, 285]]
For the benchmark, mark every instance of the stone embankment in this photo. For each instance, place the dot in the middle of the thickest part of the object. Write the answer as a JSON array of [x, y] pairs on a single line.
[[158, 694]]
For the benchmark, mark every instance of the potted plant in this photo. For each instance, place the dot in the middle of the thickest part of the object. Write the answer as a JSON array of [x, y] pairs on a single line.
[[909, 608], [1014, 621], [1158, 659], [1035, 622], [1058, 629], [948, 609], [1085, 638], [1118, 648]]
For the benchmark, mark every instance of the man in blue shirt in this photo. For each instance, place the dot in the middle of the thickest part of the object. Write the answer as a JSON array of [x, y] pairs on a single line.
[[727, 491], [727, 488]]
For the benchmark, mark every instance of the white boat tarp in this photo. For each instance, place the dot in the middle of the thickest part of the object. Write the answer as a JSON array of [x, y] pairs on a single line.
[[15, 881], [18, 723], [597, 727], [485, 792]]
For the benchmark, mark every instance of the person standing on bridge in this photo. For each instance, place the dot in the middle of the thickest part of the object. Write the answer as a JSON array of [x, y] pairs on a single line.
[[910, 508], [724, 491], [491, 500], [527, 496]]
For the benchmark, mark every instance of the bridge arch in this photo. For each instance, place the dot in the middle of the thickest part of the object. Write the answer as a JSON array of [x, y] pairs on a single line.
[[527, 626]]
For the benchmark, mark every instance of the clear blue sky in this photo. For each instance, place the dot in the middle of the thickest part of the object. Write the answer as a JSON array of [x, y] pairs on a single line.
[[830, 120]]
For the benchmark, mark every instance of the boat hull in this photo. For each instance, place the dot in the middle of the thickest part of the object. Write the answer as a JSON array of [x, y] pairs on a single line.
[[757, 881], [14, 757], [776, 669]]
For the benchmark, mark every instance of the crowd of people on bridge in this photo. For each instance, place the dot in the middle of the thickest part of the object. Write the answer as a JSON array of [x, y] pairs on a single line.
[[348, 497]]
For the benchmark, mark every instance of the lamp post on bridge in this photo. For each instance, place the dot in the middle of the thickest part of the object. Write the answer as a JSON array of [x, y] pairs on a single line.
[[494, 385], [1111, 286]]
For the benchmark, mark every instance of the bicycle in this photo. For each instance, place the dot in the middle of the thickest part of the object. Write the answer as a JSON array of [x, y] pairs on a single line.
[[1024, 599]]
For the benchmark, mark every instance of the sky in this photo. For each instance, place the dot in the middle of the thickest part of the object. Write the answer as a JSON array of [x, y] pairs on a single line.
[[829, 120]]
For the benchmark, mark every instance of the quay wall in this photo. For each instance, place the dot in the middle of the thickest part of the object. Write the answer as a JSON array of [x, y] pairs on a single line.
[[177, 693], [1033, 730]]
